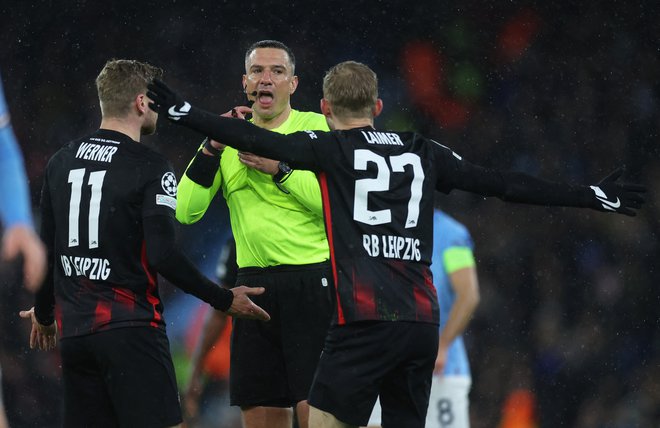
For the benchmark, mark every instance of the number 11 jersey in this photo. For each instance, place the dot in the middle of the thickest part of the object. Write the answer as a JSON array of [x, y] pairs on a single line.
[[98, 191]]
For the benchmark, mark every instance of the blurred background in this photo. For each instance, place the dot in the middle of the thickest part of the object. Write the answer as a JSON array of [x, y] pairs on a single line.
[[568, 330]]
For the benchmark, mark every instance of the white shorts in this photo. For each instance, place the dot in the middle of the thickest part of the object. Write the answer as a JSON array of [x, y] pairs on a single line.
[[448, 404]]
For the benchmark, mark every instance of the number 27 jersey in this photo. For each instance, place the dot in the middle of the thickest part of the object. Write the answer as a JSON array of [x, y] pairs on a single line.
[[378, 193]]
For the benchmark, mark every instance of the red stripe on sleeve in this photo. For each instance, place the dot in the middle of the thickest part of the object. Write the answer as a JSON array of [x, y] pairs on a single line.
[[151, 285]]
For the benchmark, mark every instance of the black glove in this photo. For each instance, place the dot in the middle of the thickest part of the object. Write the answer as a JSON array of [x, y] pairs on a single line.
[[167, 102], [617, 197]]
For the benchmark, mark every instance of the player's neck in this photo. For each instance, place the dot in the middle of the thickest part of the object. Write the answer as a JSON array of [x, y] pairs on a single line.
[[274, 122], [351, 122], [125, 126]]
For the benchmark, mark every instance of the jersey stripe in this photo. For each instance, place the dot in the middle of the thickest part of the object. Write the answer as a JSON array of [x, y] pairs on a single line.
[[125, 297], [327, 214], [102, 314], [151, 286]]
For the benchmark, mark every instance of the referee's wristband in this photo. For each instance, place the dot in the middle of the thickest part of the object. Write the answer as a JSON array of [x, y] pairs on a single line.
[[208, 146]]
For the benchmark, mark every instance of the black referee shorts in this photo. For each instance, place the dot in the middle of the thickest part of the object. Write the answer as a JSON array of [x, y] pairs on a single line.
[[119, 378], [273, 363], [364, 359]]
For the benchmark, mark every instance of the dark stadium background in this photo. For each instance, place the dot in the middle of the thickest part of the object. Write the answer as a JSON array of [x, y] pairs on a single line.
[[568, 325]]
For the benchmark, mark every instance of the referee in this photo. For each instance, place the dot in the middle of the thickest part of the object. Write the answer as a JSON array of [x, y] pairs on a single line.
[[277, 221]]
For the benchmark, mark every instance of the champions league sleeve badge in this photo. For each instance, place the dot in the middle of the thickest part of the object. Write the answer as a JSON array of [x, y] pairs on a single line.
[[168, 183]]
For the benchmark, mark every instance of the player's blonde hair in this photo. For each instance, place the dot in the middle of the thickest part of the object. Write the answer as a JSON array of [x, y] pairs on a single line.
[[352, 89], [120, 81]]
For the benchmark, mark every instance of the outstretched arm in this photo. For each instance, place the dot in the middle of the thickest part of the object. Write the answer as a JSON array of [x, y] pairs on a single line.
[[609, 195], [239, 134]]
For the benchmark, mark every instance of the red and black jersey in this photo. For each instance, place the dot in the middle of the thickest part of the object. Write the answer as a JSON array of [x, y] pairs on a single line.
[[378, 190], [98, 192]]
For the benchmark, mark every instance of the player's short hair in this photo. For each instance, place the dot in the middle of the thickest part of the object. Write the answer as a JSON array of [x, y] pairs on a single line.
[[120, 81], [351, 88], [271, 44]]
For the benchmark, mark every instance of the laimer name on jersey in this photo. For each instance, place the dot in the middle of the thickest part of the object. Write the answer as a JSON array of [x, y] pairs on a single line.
[[387, 138], [393, 247]]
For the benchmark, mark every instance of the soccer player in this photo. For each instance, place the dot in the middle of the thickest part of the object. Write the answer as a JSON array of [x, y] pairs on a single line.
[[277, 220], [378, 191], [108, 224], [16, 215], [15, 212], [455, 279]]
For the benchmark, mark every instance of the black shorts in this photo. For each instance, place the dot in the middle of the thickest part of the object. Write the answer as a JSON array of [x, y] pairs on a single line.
[[119, 378], [365, 359], [273, 363]]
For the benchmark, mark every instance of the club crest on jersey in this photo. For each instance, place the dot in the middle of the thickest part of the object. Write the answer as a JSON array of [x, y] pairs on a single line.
[[169, 183]]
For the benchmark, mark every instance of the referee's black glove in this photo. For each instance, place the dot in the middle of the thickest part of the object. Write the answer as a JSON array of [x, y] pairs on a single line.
[[167, 102], [613, 196]]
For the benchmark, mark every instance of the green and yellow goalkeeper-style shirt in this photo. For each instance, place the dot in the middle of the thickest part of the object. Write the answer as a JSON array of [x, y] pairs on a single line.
[[271, 227]]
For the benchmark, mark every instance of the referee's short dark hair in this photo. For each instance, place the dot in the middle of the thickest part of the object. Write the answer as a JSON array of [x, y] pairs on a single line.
[[272, 44]]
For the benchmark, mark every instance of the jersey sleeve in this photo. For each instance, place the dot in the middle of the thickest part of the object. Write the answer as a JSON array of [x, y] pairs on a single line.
[[44, 303], [295, 148], [159, 194], [510, 186], [304, 187], [164, 254], [198, 186], [457, 258], [458, 252]]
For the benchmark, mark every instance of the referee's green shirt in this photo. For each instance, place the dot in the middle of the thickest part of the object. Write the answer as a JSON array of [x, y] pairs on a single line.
[[270, 227]]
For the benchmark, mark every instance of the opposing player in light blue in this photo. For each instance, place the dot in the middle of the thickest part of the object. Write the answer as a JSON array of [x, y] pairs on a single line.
[[16, 215], [455, 278], [15, 212]]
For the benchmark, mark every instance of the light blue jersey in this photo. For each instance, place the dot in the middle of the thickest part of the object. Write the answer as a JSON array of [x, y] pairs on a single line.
[[449, 235], [14, 196]]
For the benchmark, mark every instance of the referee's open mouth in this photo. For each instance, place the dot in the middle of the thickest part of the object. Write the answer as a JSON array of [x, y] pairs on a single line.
[[265, 98]]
